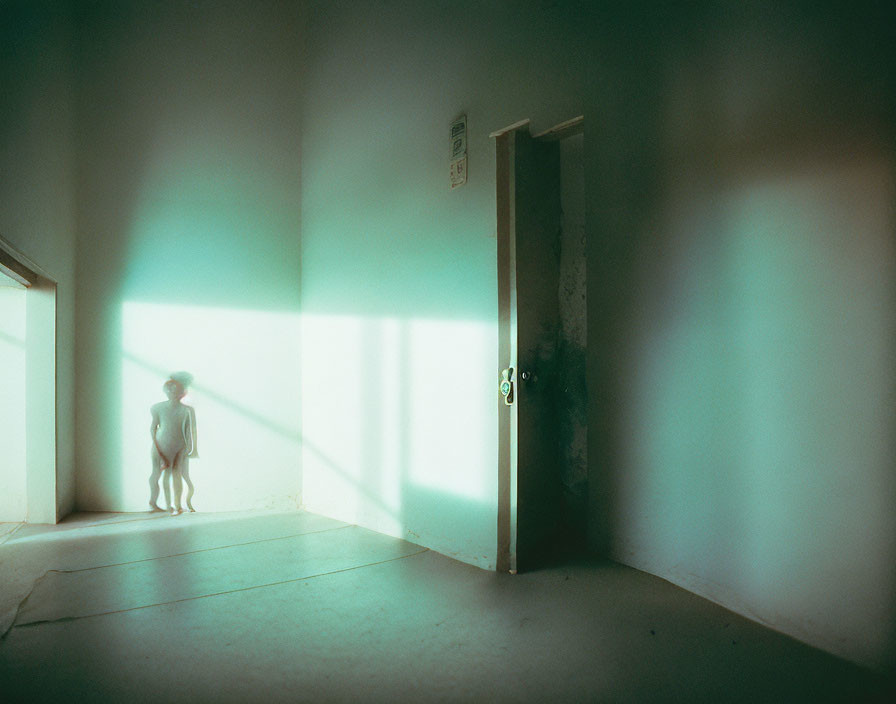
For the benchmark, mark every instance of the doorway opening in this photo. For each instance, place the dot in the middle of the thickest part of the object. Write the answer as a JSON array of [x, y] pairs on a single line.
[[572, 400], [542, 477], [27, 391]]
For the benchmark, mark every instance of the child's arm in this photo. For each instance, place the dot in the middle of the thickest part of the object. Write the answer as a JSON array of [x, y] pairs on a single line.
[[153, 424], [194, 449]]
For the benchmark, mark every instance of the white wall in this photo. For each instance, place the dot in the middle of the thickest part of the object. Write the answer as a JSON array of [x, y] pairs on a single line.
[[41, 402], [188, 259], [37, 192], [12, 402], [399, 274]]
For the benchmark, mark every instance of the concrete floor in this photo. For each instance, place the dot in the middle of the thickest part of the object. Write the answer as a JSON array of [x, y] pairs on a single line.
[[296, 607]]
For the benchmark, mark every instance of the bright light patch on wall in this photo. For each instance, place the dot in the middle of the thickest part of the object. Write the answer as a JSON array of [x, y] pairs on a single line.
[[246, 394], [332, 421], [12, 404], [448, 418], [391, 404]]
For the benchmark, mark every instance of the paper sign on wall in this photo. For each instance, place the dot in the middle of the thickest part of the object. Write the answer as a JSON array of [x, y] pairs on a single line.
[[457, 171]]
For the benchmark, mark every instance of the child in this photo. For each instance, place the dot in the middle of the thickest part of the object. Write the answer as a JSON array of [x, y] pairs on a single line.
[[173, 431]]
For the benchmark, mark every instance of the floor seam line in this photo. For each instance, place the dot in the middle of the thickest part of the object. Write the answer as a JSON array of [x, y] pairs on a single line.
[[11, 533], [195, 552], [63, 619], [144, 516], [15, 617]]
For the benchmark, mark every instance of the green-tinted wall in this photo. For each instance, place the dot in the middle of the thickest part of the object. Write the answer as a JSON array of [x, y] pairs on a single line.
[[399, 281], [189, 215], [742, 292]]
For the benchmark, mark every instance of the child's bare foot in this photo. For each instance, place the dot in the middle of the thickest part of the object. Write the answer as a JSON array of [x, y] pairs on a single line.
[[176, 511], [190, 506], [154, 507]]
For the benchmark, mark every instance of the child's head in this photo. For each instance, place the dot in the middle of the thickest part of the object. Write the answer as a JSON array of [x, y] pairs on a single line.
[[174, 389], [177, 384]]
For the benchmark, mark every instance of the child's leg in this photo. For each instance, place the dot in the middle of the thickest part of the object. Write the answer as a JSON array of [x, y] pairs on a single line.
[[166, 485], [185, 473], [154, 479], [178, 484]]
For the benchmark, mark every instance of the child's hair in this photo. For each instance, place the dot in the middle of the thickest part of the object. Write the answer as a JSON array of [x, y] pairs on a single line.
[[185, 379]]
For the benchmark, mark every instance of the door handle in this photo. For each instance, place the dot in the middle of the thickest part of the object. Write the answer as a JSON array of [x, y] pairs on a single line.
[[506, 385]]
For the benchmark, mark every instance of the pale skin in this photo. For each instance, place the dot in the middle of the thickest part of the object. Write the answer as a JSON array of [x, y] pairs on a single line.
[[173, 432]]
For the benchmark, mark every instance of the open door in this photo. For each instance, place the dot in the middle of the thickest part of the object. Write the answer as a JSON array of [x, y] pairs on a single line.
[[529, 221]]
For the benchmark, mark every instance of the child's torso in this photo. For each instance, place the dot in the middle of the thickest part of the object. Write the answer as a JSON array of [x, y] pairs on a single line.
[[171, 434]]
